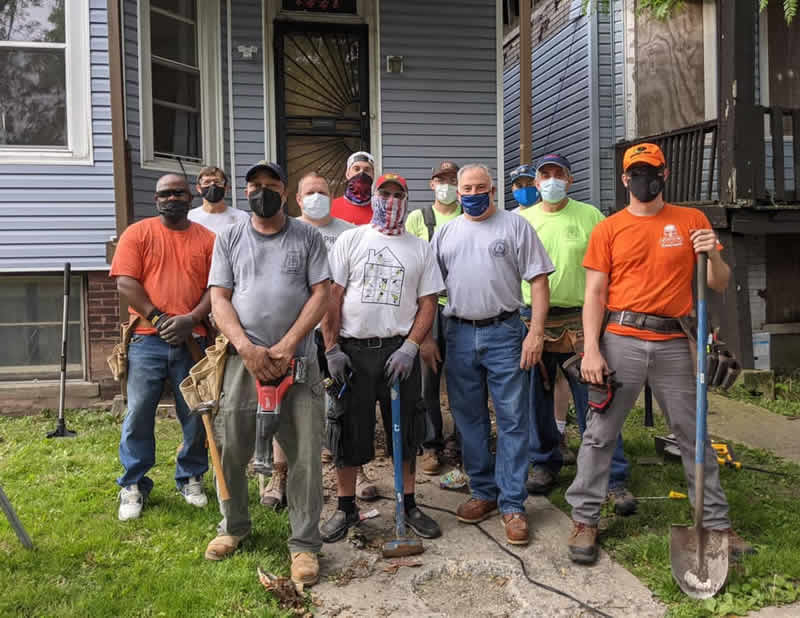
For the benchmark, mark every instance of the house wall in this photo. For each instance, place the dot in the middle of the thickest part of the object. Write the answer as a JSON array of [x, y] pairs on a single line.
[[51, 214], [444, 104]]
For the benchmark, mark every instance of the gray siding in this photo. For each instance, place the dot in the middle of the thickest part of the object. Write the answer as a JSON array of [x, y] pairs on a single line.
[[561, 102], [443, 106], [52, 214], [606, 79]]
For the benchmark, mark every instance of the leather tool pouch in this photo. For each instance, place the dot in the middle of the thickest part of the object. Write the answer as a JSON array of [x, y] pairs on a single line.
[[203, 385], [118, 360], [722, 368]]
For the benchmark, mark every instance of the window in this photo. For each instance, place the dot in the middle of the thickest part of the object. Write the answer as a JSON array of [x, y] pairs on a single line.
[[179, 83], [45, 104]]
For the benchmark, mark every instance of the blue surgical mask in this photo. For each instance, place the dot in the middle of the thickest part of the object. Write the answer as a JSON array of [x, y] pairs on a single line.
[[526, 196], [553, 190], [475, 205]]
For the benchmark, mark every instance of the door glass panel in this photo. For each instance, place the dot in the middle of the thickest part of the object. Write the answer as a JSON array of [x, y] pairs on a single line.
[[40, 21]]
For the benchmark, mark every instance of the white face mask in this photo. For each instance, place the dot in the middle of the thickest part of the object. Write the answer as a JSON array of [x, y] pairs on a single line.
[[553, 190], [316, 206], [445, 194]]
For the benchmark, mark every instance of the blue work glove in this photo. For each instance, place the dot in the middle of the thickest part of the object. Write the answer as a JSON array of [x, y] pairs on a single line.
[[401, 362], [338, 362]]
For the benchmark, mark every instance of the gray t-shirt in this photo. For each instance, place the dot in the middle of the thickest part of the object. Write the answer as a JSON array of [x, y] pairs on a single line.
[[218, 221], [333, 230], [270, 275], [484, 262]]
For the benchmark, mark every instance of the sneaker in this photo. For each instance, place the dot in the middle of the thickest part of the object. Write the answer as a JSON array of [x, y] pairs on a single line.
[[737, 546], [567, 454], [455, 479], [274, 494], [429, 463], [624, 502], [365, 488], [131, 501], [423, 525], [193, 493], [582, 544], [335, 528], [475, 510], [516, 525], [305, 568], [541, 481]]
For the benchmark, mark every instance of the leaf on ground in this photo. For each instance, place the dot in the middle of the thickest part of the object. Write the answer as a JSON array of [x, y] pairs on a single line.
[[284, 591], [395, 564]]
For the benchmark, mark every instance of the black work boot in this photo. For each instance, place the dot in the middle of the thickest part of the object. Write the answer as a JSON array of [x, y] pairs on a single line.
[[423, 525], [541, 481]]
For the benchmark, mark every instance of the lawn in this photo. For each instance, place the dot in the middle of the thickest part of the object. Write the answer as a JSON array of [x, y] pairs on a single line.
[[88, 563], [787, 395]]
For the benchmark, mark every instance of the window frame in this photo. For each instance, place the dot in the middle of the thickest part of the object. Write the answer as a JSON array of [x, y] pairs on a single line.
[[78, 87], [209, 60]]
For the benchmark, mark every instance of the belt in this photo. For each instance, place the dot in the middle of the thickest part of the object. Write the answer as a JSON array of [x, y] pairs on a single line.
[[506, 315], [646, 321], [374, 343], [563, 310]]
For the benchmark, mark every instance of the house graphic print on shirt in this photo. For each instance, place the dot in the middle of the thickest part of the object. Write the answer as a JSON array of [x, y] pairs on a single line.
[[383, 278]]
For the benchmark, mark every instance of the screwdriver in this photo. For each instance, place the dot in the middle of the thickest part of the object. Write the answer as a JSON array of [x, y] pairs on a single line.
[[673, 495]]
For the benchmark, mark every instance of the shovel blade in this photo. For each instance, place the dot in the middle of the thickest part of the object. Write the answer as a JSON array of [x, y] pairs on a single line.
[[697, 582]]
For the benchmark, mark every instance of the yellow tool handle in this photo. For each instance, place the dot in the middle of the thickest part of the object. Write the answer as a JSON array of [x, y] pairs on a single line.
[[676, 495], [730, 463]]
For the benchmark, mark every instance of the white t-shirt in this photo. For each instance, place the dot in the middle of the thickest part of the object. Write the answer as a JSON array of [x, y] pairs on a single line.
[[383, 276], [217, 221]]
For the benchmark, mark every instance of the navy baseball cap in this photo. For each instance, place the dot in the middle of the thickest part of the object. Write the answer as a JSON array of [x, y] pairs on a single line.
[[268, 166], [523, 171], [554, 159]]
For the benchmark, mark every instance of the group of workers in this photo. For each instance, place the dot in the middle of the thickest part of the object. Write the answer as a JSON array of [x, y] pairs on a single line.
[[499, 301]]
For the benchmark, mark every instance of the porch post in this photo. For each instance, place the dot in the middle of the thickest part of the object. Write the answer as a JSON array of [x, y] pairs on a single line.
[[525, 92]]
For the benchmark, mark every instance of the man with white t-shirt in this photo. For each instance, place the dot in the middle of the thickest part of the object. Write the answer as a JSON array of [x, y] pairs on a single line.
[[386, 284], [215, 214]]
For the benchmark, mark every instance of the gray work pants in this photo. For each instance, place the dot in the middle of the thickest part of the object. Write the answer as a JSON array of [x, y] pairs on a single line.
[[667, 366], [299, 434]]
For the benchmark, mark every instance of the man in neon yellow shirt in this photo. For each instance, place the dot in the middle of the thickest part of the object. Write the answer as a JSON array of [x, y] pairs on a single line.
[[564, 226], [422, 223]]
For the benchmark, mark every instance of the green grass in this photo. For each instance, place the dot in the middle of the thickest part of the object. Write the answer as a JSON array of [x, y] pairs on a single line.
[[787, 395], [763, 509], [87, 563]]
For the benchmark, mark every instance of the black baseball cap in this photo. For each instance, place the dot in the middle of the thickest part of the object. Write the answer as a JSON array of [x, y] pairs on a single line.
[[269, 166]]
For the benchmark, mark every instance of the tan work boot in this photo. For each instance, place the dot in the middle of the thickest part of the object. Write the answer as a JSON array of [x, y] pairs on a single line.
[[274, 494], [737, 546], [516, 525], [222, 546], [305, 568], [429, 463], [365, 488], [582, 543], [475, 510]]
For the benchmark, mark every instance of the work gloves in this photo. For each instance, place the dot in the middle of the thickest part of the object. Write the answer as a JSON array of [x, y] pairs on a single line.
[[338, 363], [175, 329], [401, 362]]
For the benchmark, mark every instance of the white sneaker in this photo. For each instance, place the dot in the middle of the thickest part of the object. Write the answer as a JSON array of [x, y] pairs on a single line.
[[193, 492], [130, 503]]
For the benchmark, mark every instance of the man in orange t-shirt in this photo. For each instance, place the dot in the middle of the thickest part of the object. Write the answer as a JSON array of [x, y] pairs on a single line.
[[639, 268], [161, 266]]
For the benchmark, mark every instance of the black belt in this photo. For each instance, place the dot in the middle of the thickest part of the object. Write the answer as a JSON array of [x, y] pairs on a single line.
[[506, 315], [646, 321], [558, 311], [374, 343]]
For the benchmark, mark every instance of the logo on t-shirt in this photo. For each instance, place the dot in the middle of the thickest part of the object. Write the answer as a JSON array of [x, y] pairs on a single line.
[[292, 263], [383, 278], [498, 248], [671, 237], [571, 233]]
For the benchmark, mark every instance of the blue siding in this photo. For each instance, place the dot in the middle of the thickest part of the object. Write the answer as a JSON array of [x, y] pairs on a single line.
[[52, 214]]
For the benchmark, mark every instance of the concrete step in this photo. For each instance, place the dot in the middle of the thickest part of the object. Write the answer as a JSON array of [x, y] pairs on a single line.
[[32, 396]]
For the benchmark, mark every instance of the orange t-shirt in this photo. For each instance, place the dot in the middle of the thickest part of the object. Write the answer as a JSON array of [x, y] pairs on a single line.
[[649, 262], [171, 265]]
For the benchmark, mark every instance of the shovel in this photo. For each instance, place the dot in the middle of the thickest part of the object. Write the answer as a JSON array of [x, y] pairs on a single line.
[[699, 557]]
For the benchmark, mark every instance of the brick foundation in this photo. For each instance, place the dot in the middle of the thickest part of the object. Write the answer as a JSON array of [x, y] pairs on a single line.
[[102, 327]]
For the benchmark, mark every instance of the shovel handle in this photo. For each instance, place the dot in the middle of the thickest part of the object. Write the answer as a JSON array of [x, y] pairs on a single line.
[[702, 409], [222, 486]]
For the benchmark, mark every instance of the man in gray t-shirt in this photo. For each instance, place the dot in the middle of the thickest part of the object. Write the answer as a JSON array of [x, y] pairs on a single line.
[[484, 256], [270, 283]]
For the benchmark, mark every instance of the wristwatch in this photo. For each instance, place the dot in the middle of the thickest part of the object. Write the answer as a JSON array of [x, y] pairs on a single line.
[[154, 317]]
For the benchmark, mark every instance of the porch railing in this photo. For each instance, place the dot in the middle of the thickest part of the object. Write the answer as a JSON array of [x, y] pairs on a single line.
[[691, 154], [779, 154]]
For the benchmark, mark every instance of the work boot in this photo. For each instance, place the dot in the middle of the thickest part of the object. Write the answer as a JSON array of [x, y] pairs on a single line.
[[131, 501], [567, 454], [737, 546], [222, 546], [624, 502], [516, 525], [541, 481], [192, 492], [336, 526], [365, 488], [423, 525], [475, 510], [274, 494], [582, 544], [305, 568], [429, 463]]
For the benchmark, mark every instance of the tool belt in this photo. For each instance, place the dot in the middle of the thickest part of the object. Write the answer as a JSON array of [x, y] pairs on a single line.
[[502, 317], [203, 385], [118, 360], [563, 330], [646, 321]]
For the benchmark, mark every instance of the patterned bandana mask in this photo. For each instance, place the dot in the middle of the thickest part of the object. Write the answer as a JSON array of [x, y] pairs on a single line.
[[359, 189], [388, 216]]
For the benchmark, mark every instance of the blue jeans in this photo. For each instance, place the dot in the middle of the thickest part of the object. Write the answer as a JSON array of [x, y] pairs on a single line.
[[477, 357], [151, 361], [544, 438]]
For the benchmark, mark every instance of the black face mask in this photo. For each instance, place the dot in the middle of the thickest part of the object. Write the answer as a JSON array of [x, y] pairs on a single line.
[[646, 187], [213, 193], [265, 203], [173, 211]]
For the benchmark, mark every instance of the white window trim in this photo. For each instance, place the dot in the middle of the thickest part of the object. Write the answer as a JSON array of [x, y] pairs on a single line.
[[210, 64], [78, 97]]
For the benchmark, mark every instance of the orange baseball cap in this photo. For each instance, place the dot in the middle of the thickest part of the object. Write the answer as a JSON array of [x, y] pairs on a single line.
[[643, 153]]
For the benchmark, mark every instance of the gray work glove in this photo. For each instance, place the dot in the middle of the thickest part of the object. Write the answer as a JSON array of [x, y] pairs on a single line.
[[175, 329], [338, 362], [401, 362]]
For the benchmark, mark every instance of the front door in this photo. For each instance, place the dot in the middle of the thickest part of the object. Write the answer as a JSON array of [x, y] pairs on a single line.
[[322, 100]]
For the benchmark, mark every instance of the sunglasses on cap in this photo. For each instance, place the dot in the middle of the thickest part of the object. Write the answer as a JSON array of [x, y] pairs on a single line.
[[166, 193]]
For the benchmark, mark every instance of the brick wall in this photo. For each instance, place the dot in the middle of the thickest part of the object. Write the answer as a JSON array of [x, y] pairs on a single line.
[[102, 327]]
